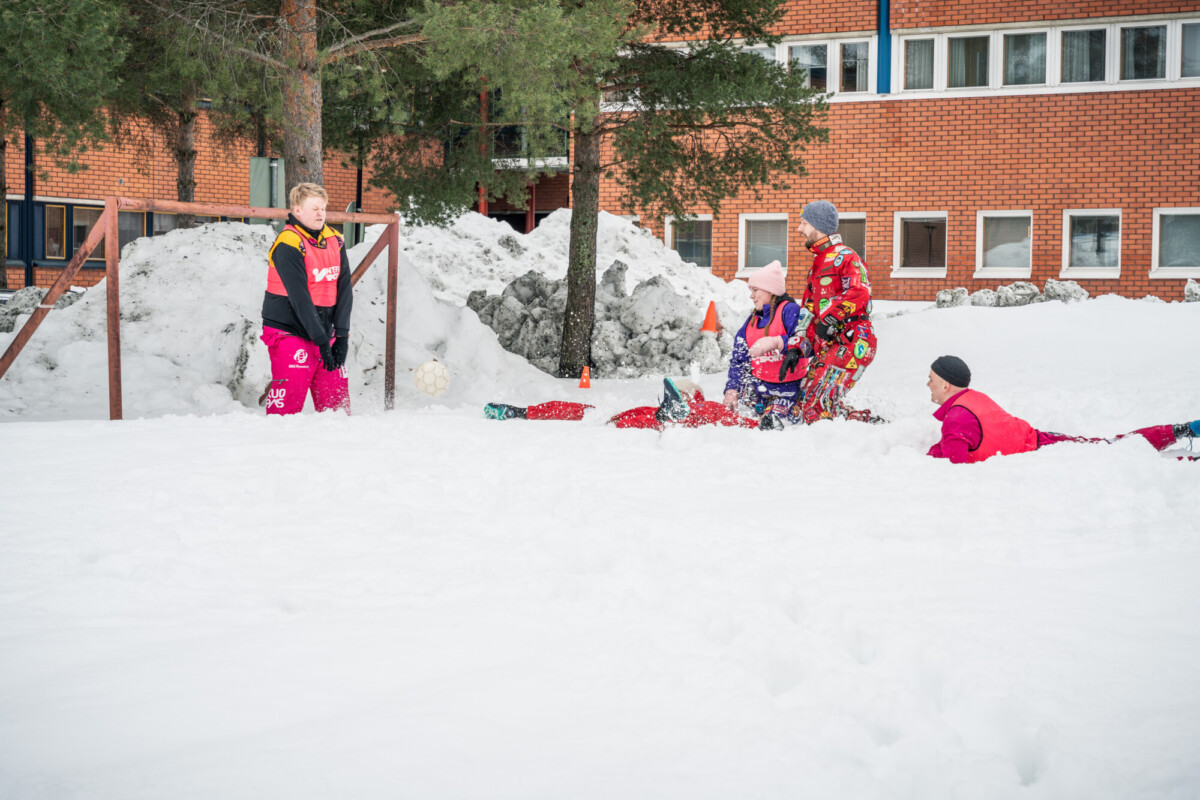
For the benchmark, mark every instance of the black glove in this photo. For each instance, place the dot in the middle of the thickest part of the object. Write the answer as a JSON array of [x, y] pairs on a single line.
[[327, 358], [828, 330], [790, 359], [341, 346]]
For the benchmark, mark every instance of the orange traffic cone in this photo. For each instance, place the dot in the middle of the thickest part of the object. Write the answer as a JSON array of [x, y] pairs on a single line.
[[710, 319], [585, 380]]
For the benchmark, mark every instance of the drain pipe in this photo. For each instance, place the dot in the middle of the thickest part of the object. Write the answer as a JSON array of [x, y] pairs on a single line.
[[883, 75]]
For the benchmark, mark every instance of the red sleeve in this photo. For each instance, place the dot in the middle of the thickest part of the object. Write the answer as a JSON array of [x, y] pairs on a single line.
[[961, 434]]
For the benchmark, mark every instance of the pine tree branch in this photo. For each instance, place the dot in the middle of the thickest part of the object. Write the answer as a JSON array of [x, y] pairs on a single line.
[[211, 33], [346, 50], [332, 53]]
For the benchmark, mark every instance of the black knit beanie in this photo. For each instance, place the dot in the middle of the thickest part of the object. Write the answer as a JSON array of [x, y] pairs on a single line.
[[953, 370]]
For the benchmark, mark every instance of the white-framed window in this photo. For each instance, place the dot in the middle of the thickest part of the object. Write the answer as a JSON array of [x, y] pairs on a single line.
[[852, 227], [968, 57], [1091, 245], [1073, 56], [1142, 52], [1083, 55], [1004, 244], [762, 238], [814, 60], [764, 51], [838, 66], [919, 244], [1176, 243], [920, 63], [1189, 45], [692, 239], [1024, 55]]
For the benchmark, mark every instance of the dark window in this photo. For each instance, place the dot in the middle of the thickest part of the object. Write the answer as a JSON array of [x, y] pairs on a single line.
[[14, 230], [55, 244], [854, 235], [1083, 56], [1144, 53], [766, 241], [693, 241], [918, 64], [812, 59], [82, 220], [923, 243], [968, 62], [1179, 240], [1094, 241], [1024, 59], [855, 63], [1191, 51]]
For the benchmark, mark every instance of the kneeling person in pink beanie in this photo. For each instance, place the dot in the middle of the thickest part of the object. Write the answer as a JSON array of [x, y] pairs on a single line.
[[769, 352]]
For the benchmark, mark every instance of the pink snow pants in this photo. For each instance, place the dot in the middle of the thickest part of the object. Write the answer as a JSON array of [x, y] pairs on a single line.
[[296, 370]]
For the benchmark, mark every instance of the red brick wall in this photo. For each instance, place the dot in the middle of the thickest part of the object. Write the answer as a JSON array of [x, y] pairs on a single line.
[[1046, 153], [222, 176], [553, 192]]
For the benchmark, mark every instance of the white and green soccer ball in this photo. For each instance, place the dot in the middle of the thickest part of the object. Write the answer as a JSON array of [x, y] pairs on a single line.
[[432, 378]]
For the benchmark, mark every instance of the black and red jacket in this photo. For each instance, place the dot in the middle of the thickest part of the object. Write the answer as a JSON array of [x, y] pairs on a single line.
[[308, 284]]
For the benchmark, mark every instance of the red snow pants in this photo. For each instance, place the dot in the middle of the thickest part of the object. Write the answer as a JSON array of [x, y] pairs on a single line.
[[296, 371], [833, 372], [1160, 437], [557, 409]]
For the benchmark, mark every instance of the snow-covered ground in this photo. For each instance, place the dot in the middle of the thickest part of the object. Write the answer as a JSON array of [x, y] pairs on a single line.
[[207, 603]]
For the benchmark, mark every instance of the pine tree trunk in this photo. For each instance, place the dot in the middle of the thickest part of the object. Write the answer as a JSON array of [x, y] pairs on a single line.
[[3, 199], [301, 95], [576, 351], [185, 156]]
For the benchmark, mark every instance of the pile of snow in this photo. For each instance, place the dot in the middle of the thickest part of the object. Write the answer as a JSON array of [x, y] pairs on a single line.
[[25, 301], [517, 285], [191, 318], [191, 304], [477, 253], [1021, 293], [650, 331]]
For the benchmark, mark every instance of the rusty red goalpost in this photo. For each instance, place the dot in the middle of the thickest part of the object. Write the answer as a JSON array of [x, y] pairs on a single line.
[[105, 229]]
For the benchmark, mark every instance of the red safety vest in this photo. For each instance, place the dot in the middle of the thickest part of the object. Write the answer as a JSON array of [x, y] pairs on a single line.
[[322, 263], [766, 367], [1003, 433]]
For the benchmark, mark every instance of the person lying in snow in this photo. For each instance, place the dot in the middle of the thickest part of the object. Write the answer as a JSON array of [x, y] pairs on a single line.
[[683, 404], [975, 428], [759, 375]]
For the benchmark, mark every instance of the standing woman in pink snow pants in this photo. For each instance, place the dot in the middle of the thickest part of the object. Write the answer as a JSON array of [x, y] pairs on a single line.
[[306, 310]]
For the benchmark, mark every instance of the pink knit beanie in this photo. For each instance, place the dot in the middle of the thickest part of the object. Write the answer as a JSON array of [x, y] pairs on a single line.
[[770, 279]]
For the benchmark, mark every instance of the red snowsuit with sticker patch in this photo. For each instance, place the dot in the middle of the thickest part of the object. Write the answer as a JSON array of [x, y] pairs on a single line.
[[838, 293]]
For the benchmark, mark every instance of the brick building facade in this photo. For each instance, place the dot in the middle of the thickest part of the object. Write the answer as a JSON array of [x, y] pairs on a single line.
[[972, 144], [999, 142]]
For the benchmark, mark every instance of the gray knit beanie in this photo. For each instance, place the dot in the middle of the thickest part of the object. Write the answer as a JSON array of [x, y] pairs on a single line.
[[822, 215]]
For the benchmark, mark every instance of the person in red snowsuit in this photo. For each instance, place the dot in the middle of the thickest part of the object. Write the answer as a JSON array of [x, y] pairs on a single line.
[[838, 295], [694, 413], [975, 427]]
